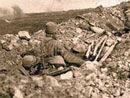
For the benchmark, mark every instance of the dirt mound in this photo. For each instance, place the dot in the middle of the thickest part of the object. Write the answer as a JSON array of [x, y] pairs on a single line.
[[99, 37]]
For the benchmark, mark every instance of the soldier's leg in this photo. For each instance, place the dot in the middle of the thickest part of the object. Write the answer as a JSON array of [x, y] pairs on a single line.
[[68, 56]]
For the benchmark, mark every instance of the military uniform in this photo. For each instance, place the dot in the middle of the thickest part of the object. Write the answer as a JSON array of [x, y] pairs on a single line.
[[54, 48], [50, 47]]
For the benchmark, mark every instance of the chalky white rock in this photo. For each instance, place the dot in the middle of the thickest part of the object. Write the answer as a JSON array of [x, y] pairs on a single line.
[[24, 35]]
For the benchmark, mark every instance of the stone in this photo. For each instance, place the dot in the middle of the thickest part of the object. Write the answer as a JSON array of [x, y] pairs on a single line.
[[79, 48], [118, 38], [97, 30], [57, 60], [38, 80], [61, 68], [28, 60], [39, 35], [24, 35], [24, 43], [110, 42], [78, 30], [104, 70], [36, 46], [77, 72], [6, 46], [9, 35], [34, 42], [95, 95], [102, 76], [128, 11], [10, 47], [90, 77], [67, 76], [127, 53], [18, 93], [127, 84], [105, 96], [75, 40], [125, 95], [49, 80], [2, 41], [89, 67], [10, 42], [108, 60]]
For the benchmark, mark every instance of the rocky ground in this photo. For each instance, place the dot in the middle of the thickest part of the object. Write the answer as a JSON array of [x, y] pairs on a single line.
[[105, 74]]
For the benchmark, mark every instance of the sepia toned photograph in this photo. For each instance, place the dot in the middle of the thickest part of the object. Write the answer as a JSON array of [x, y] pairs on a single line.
[[64, 48]]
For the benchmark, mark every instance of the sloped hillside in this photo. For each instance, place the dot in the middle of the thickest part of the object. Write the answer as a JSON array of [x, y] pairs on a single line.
[[99, 37], [36, 21]]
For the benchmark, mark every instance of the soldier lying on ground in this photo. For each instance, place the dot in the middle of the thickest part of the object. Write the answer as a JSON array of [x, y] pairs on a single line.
[[51, 47]]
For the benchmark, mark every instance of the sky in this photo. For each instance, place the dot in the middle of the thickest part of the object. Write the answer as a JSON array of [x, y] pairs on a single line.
[[33, 6]]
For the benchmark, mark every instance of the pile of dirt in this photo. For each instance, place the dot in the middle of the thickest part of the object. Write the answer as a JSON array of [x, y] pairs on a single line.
[[94, 37]]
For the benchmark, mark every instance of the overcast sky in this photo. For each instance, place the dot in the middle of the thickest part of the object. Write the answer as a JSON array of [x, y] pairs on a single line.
[[55, 5]]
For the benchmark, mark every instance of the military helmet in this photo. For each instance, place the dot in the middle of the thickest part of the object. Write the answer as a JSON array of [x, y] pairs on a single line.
[[28, 60], [51, 27]]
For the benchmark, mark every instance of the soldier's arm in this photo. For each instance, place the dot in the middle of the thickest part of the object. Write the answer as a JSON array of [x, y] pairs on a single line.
[[68, 56], [56, 48], [71, 58]]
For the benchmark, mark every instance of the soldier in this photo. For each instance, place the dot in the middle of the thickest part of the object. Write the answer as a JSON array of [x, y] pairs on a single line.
[[56, 48], [50, 47]]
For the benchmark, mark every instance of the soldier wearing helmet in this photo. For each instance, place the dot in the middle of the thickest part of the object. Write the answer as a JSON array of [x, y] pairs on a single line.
[[51, 47]]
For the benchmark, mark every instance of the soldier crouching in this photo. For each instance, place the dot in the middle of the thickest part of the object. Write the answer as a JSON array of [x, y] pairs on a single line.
[[49, 48]]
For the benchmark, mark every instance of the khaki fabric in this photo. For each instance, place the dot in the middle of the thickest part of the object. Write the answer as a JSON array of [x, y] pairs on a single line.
[[54, 48]]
